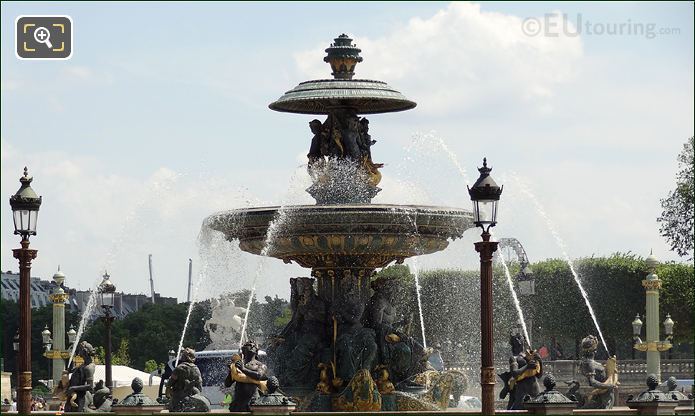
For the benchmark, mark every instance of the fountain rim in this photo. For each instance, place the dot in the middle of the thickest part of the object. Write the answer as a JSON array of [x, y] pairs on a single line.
[[396, 208], [322, 96]]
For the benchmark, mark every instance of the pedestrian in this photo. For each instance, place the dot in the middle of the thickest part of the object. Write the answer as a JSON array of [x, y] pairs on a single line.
[[13, 408]]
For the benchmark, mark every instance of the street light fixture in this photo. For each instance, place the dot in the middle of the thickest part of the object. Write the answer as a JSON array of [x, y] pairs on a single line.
[[106, 292], [636, 331], [668, 331], [485, 195], [25, 211], [72, 335], [46, 338]]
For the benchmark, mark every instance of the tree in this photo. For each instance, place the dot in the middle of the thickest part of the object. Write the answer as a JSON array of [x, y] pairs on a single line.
[[119, 356], [677, 218], [150, 366]]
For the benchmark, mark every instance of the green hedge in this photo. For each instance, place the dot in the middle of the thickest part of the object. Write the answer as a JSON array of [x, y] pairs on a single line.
[[613, 284]]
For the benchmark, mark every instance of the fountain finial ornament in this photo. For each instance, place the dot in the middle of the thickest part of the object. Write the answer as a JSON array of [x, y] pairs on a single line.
[[343, 56]]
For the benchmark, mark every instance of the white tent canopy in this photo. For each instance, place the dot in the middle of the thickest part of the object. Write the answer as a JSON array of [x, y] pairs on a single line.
[[123, 376]]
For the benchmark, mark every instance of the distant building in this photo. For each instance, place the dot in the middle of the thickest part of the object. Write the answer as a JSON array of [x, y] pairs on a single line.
[[124, 303], [40, 289]]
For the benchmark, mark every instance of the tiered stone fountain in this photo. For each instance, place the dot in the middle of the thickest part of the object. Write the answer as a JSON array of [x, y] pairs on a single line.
[[343, 332]]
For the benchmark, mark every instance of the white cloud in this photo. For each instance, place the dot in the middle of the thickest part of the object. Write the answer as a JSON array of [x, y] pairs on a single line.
[[92, 219], [480, 60]]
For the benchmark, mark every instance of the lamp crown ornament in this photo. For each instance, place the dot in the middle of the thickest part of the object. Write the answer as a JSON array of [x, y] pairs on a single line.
[[485, 188], [652, 262], [59, 277], [106, 285]]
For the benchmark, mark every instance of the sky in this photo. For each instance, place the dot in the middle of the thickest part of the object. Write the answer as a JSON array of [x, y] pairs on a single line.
[[160, 119]]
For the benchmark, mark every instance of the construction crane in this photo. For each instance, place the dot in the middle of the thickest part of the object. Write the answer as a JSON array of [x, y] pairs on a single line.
[[151, 278]]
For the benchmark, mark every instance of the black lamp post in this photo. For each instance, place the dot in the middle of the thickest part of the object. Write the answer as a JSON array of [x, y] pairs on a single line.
[[106, 291], [636, 331], [485, 195], [25, 211]]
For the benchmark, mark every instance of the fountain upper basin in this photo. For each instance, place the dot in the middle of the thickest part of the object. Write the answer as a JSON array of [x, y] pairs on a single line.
[[354, 235]]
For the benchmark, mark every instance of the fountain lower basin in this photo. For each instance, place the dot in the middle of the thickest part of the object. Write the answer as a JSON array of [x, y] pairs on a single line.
[[355, 235]]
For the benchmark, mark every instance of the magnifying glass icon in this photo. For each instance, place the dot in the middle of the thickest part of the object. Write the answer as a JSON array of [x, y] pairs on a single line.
[[42, 35]]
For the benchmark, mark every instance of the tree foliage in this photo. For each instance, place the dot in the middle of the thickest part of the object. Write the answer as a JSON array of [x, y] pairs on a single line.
[[152, 331], [40, 317], [677, 220], [151, 365]]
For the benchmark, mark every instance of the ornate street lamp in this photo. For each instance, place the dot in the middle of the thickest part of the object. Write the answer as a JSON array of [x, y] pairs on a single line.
[[636, 331], [526, 281], [668, 331], [46, 338], [485, 195], [651, 344], [106, 292], [72, 335], [25, 211]]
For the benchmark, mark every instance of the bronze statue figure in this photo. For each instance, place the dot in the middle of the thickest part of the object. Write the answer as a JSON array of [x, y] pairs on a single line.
[[355, 347], [248, 375], [603, 379], [186, 384], [82, 380], [302, 341], [102, 397], [525, 369], [403, 355]]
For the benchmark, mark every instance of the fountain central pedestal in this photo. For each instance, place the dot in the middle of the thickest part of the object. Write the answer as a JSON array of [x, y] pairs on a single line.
[[329, 346]]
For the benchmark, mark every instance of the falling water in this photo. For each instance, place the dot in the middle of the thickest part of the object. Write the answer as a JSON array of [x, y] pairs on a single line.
[[453, 158], [416, 273], [270, 235], [517, 305], [204, 240], [88, 310], [206, 236], [152, 192], [211, 252], [561, 244], [412, 218], [281, 217]]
